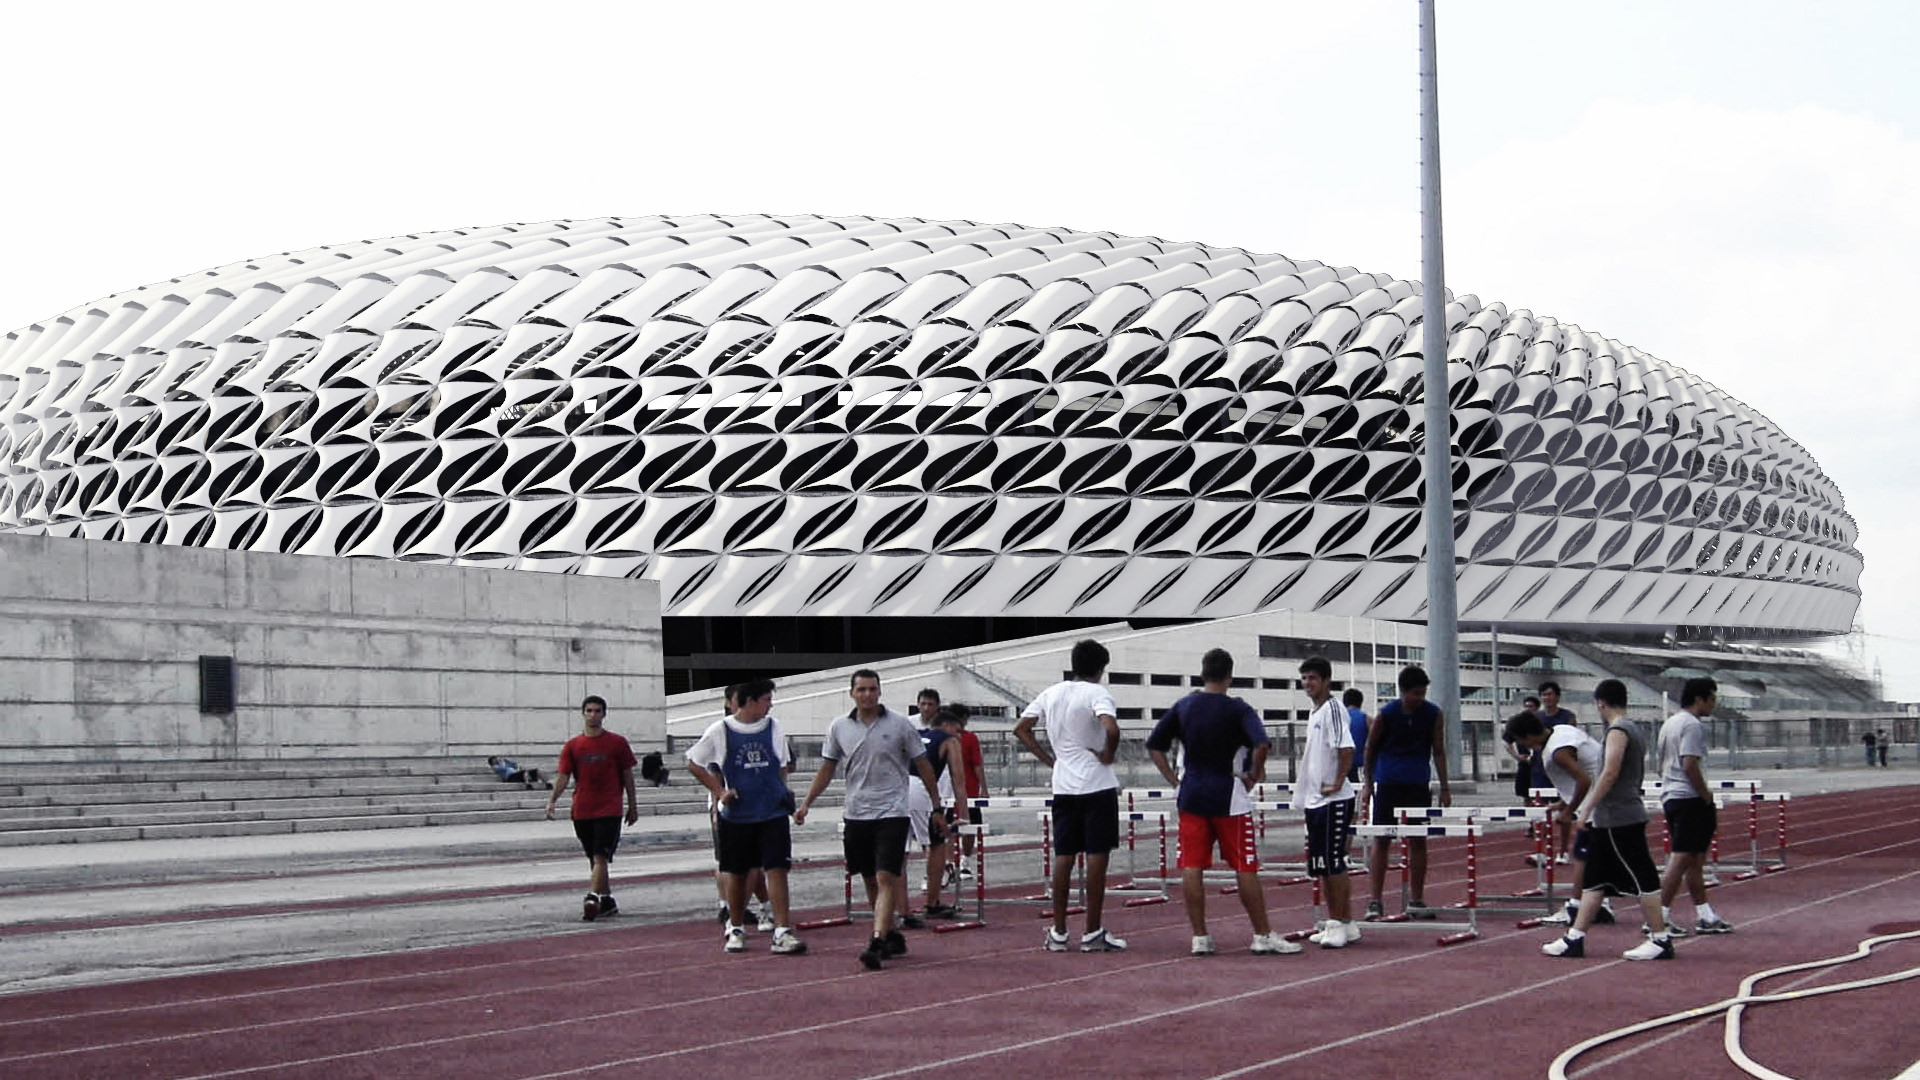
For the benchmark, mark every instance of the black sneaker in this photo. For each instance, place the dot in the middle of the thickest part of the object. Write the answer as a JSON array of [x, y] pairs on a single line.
[[873, 954], [1604, 916], [1375, 910], [896, 943], [726, 917], [590, 908], [912, 922], [942, 911], [607, 907], [1418, 909]]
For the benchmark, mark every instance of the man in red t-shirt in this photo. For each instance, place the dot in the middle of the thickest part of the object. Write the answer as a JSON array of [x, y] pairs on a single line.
[[976, 785], [601, 763]]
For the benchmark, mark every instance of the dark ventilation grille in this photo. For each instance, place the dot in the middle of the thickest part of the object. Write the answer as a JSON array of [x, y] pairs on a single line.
[[216, 685]]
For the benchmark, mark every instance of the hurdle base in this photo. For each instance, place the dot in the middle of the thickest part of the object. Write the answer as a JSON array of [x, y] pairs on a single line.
[[1144, 901], [822, 924], [1457, 939], [1298, 935], [1229, 890], [1073, 909], [1773, 868], [952, 927], [1529, 924], [1746, 875]]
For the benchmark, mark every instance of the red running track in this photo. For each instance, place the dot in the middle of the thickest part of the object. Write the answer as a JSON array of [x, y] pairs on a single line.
[[663, 1001]]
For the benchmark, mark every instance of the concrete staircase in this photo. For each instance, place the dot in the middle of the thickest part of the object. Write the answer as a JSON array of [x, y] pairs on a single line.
[[67, 803]]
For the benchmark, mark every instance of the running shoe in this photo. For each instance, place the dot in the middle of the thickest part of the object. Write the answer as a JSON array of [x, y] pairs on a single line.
[[1673, 930], [942, 911], [1418, 909], [736, 939], [896, 943], [1563, 917], [608, 908], [1650, 949], [966, 871], [590, 908], [1605, 915], [1057, 941], [1571, 948], [1203, 944], [873, 954], [724, 915], [763, 922], [912, 922], [1713, 926], [1375, 910], [951, 877], [1274, 945], [1101, 941], [786, 944], [1331, 936]]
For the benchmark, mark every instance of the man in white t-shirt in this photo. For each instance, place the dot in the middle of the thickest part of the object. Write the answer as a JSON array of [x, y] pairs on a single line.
[[1079, 718], [1687, 803], [1325, 794], [1571, 759]]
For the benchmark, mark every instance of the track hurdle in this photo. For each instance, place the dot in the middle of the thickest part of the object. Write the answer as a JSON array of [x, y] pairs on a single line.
[[1471, 905], [980, 833], [846, 917], [1542, 898]]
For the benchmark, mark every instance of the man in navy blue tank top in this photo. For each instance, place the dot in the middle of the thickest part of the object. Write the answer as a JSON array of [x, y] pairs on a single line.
[[1406, 733], [743, 761]]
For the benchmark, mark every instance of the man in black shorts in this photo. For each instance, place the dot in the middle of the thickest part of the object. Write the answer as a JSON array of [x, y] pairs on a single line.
[[881, 751], [600, 765], [1084, 735], [1403, 737], [1688, 804], [1618, 861]]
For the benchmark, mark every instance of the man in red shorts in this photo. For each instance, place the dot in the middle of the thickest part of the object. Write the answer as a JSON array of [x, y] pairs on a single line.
[[1224, 750], [600, 764]]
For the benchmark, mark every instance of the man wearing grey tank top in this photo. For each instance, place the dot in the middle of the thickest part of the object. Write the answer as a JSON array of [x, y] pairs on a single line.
[[1618, 861]]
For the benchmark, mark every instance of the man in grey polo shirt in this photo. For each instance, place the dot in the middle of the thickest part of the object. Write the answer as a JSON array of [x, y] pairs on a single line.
[[881, 750]]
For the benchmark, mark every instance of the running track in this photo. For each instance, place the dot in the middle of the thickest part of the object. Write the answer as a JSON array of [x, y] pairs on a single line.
[[663, 1001]]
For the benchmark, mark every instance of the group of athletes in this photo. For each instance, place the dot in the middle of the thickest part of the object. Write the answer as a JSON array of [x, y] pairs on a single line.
[[906, 783]]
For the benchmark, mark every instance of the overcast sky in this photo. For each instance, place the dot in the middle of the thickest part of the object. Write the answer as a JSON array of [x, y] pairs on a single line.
[[1731, 187]]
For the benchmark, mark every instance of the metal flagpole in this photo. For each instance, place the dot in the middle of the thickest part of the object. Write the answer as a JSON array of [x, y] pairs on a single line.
[[1443, 617]]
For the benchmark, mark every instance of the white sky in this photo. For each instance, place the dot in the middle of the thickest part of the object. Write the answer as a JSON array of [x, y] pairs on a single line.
[[1730, 186]]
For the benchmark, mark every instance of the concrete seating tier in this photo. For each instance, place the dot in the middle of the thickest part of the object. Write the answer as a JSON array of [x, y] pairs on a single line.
[[54, 803]]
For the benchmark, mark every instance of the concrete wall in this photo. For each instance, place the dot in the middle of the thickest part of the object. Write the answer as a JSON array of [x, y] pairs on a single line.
[[100, 644]]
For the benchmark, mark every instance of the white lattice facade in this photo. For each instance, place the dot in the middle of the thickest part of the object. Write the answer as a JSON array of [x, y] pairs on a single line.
[[851, 416]]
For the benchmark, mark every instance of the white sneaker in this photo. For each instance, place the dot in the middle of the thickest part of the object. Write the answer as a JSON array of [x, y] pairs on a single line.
[[736, 939], [1203, 944], [1562, 917], [1334, 936], [1057, 941], [786, 944], [1351, 930], [1650, 949], [1102, 941], [763, 922], [1274, 945], [966, 871]]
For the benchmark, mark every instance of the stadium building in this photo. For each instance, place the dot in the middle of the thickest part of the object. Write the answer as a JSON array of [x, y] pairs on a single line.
[[840, 439]]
